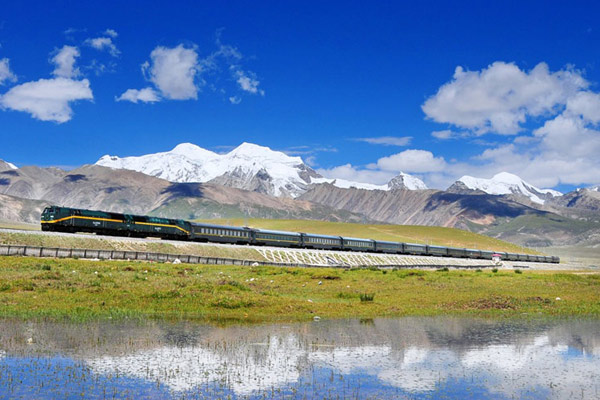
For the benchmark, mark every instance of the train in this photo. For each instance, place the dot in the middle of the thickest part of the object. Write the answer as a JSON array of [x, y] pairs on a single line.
[[65, 219]]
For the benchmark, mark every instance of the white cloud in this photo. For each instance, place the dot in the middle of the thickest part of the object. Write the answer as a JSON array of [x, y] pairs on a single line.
[[501, 97], [47, 99], [65, 62], [562, 149], [103, 43], [248, 82], [5, 73], [352, 173], [412, 161], [387, 140], [311, 161], [173, 71], [586, 105], [178, 73], [111, 32], [146, 95], [445, 134], [379, 173]]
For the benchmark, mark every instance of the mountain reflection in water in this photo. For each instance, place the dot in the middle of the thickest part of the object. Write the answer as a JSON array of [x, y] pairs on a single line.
[[382, 358]]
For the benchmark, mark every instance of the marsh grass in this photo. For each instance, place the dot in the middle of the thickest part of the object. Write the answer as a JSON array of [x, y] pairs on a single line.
[[83, 289]]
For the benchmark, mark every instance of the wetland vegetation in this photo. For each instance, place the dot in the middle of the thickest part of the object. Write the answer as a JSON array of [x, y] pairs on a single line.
[[84, 289]]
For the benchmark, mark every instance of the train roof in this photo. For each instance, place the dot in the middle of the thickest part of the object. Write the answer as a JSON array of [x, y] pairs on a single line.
[[203, 225], [322, 236], [357, 239], [273, 232]]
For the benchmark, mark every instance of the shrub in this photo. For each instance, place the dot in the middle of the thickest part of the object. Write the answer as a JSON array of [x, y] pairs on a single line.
[[367, 297], [342, 295], [518, 271], [478, 270], [494, 270], [445, 269]]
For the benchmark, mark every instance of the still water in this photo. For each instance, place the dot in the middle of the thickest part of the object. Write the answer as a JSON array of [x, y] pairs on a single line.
[[406, 358]]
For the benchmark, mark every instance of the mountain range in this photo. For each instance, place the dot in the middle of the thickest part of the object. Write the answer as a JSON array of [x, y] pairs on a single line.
[[255, 181], [248, 166]]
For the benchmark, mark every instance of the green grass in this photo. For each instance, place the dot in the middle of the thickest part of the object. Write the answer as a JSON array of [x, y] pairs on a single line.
[[399, 233], [19, 225], [80, 290]]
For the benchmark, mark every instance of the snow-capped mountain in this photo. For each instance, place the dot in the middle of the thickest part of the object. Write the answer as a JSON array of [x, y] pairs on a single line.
[[406, 181], [248, 166], [402, 181], [504, 183], [345, 184], [6, 166]]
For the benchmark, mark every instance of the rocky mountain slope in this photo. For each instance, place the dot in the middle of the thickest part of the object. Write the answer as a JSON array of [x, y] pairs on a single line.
[[424, 207], [96, 187], [248, 166], [16, 209], [562, 220], [493, 215]]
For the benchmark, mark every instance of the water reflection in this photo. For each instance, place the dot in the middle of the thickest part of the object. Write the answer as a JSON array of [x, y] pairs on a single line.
[[388, 358]]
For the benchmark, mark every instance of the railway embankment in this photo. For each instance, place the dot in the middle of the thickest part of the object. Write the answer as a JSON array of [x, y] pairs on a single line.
[[64, 245]]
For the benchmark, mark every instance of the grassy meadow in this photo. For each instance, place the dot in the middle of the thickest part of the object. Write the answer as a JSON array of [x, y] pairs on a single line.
[[83, 289]]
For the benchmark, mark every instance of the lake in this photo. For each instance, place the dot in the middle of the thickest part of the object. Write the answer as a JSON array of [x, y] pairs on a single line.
[[403, 358]]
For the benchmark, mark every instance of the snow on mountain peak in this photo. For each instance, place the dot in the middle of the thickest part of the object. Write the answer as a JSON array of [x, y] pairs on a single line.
[[248, 166], [406, 181], [7, 165], [507, 177], [253, 151], [507, 183], [192, 151], [401, 181]]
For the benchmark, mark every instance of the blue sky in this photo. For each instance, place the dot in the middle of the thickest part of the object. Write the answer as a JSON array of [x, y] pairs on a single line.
[[361, 91]]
